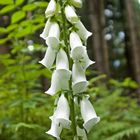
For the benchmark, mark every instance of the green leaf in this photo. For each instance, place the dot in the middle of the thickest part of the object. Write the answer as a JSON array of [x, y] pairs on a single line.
[[2, 41], [17, 16], [41, 4], [18, 2], [29, 7], [7, 9], [5, 2], [11, 27]]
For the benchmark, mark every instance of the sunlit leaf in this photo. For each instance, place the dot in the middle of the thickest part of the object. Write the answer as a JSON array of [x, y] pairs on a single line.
[[17, 16], [29, 7]]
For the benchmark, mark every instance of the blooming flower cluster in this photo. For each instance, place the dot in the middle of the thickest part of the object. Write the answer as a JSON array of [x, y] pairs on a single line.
[[67, 79]]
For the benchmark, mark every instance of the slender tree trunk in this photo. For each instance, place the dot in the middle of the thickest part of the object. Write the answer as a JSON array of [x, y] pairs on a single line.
[[97, 18], [132, 44]]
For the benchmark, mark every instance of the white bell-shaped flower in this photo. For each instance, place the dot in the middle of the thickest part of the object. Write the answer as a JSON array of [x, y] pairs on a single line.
[[79, 52], [88, 114], [55, 129], [79, 79], [76, 3], [62, 112], [82, 31], [71, 15], [51, 9], [75, 40], [81, 133], [62, 60], [45, 32], [49, 58], [60, 81], [52, 39], [80, 56]]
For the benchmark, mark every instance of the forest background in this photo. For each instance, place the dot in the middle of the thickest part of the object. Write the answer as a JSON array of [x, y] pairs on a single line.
[[114, 79]]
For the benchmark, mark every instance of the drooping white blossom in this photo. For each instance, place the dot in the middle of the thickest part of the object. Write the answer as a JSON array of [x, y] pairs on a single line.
[[52, 39], [61, 76], [62, 112], [55, 129], [45, 32], [49, 58], [71, 15], [51, 9], [57, 84], [79, 79], [79, 52], [62, 60], [82, 31], [76, 3], [88, 114]]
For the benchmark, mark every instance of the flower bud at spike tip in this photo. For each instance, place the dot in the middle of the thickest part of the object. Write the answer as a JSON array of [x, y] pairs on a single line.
[[53, 37], [55, 129], [51, 9], [71, 15], [62, 112], [49, 58], [88, 114], [79, 79], [76, 3], [45, 32], [82, 31]]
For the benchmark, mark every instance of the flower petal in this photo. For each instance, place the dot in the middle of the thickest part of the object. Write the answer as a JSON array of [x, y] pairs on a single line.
[[88, 114], [75, 40], [80, 56], [62, 112], [62, 60], [79, 79], [45, 32], [76, 3], [82, 31], [51, 9], [55, 129], [53, 37], [70, 14], [49, 58], [60, 81]]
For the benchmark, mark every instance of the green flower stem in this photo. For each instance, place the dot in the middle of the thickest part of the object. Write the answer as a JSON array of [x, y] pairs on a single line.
[[65, 35]]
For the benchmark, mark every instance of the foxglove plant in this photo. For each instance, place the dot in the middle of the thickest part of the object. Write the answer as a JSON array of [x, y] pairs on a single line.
[[65, 35]]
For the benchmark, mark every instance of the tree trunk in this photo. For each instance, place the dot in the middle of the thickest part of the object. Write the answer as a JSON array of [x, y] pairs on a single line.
[[97, 18], [132, 44]]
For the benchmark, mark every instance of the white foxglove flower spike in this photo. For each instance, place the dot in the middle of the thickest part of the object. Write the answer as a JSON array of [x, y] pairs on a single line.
[[57, 84], [76, 3], [45, 32], [52, 39], [51, 9], [62, 112], [62, 60], [79, 79], [88, 114], [49, 58], [82, 31], [71, 15], [81, 133], [55, 129]]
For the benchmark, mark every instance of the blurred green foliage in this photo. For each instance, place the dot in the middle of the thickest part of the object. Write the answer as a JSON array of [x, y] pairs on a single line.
[[25, 110]]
